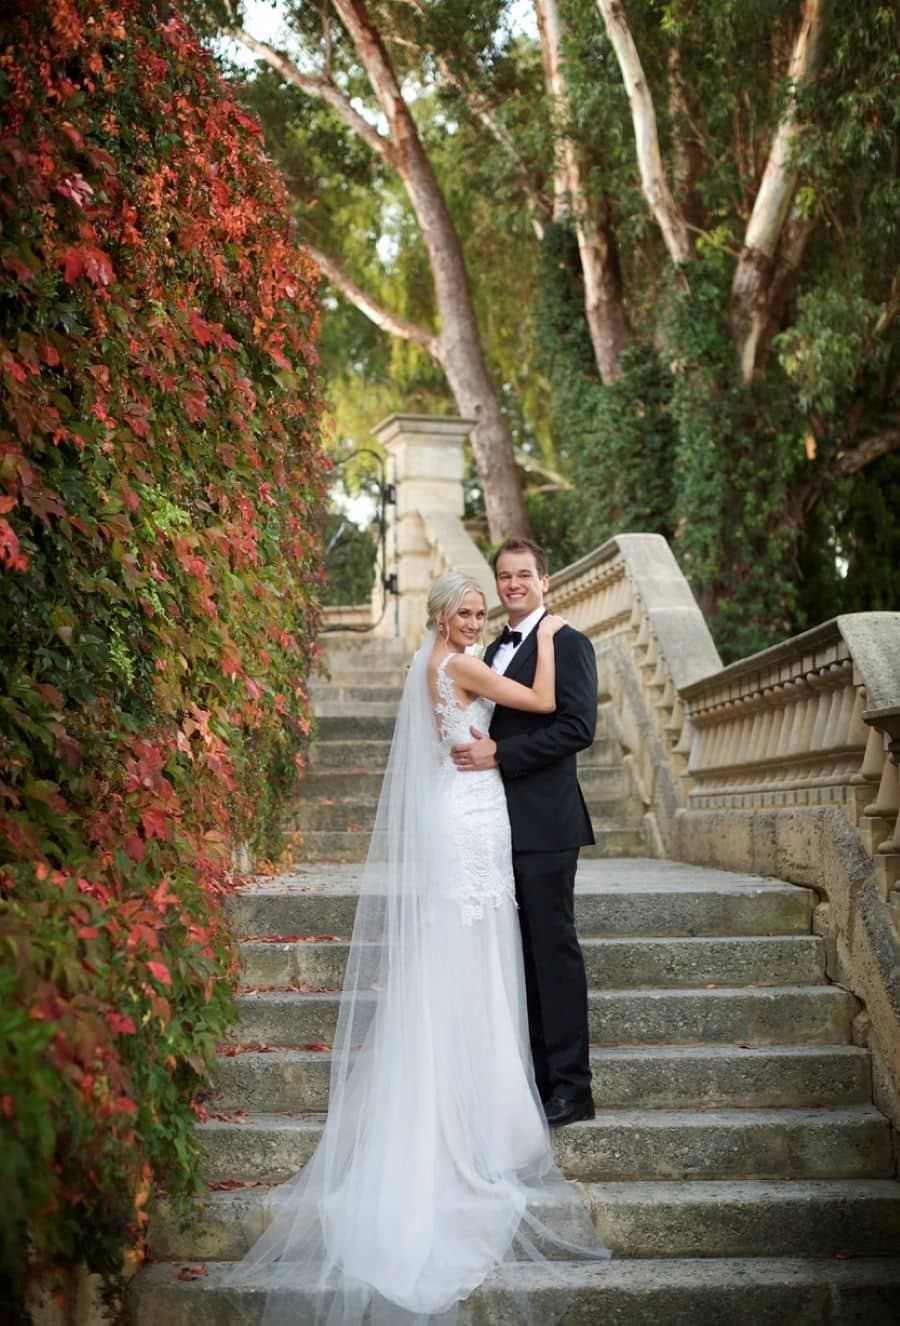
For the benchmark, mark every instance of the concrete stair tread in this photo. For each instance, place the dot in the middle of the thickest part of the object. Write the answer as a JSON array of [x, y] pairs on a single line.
[[741, 1014], [836, 1142], [640, 962], [744, 1291], [339, 846], [630, 1119], [650, 1077], [614, 897], [642, 1218]]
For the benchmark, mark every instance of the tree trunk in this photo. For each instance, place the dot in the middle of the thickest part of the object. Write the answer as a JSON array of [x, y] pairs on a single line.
[[604, 303], [754, 294], [459, 340], [669, 216]]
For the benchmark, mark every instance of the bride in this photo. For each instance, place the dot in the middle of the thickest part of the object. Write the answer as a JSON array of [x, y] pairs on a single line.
[[434, 1168]]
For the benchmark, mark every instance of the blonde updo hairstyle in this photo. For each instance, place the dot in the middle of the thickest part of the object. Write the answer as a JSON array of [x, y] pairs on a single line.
[[446, 595]]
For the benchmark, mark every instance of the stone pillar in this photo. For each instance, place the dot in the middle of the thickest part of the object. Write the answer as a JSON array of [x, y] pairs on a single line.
[[425, 462]]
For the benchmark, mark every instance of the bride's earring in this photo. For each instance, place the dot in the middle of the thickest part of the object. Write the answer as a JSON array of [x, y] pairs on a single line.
[[444, 630]]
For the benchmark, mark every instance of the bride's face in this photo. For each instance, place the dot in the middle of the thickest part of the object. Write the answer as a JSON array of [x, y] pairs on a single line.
[[467, 623]]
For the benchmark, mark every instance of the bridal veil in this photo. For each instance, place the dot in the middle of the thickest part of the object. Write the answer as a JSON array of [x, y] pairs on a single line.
[[434, 1168]]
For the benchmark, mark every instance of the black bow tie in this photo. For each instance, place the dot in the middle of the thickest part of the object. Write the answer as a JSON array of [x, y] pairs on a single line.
[[509, 637]]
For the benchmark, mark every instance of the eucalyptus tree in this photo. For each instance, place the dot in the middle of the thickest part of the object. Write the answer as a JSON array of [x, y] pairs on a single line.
[[739, 160], [353, 58]]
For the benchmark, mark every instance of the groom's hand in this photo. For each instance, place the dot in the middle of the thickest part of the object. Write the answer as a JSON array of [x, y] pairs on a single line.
[[472, 756]]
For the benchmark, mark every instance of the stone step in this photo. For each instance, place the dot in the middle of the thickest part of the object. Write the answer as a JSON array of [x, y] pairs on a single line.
[[314, 812], [359, 782], [614, 842], [743, 1291], [606, 782], [613, 898], [352, 845], [778, 1015], [345, 755], [650, 1077], [367, 647], [356, 728], [358, 712], [600, 785], [610, 963], [355, 672], [644, 1218], [361, 697], [616, 1145]]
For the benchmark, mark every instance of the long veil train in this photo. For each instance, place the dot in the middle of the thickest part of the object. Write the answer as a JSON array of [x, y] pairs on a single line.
[[423, 1182]]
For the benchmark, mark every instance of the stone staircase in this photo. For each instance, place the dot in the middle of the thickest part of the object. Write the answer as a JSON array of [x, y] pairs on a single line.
[[736, 1167]]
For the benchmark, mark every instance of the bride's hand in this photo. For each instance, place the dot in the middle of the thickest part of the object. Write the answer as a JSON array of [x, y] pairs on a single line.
[[549, 625]]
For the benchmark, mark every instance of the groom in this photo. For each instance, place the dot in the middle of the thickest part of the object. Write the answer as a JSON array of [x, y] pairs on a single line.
[[536, 757]]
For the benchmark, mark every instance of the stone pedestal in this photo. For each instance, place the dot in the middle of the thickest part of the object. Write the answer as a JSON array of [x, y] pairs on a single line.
[[425, 533]]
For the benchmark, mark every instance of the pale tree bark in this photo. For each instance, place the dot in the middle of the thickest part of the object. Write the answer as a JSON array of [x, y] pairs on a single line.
[[550, 34], [482, 109], [604, 302], [655, 186], [753, 290], [390, 322], [458, 346]]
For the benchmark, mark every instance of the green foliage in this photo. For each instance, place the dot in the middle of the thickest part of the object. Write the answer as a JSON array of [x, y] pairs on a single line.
[[745, 481], [737, 454], [349, 561], [160, 489]]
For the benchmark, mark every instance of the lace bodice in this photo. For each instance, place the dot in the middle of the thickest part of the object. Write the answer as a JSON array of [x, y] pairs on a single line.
[[481, 874], [454, 719]]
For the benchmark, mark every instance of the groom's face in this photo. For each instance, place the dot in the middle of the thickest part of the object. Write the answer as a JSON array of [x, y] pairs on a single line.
[[519, 584]]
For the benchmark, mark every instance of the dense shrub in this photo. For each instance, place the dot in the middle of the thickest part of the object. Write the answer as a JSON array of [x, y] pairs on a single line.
[[160, 491]]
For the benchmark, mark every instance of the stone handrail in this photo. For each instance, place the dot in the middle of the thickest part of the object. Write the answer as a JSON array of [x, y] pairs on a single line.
[[792, 772], [783, 764]]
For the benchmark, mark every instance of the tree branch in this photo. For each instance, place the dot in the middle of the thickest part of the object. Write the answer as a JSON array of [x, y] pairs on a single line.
[[844, 465], [323, 89], [749, 289], [382, 317], [481, 109], [866, 451], [655, 186]]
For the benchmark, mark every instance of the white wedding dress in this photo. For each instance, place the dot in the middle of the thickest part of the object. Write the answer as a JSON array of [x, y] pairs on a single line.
[[434, 1168]]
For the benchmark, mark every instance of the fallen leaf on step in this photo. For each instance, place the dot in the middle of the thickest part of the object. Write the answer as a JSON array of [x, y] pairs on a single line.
[[191, 1273], [844, 1255], [318, 1046]]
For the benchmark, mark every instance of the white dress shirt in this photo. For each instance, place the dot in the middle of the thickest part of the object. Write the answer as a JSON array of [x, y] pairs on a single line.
[[504, 654]]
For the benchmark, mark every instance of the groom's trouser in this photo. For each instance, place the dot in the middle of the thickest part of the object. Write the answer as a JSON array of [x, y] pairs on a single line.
[[555, 982]]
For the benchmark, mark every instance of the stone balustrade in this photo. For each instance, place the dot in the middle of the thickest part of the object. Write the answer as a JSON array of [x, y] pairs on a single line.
[[781, 764]]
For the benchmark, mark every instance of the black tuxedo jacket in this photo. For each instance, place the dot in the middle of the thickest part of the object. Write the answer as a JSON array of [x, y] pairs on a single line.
[[536, 752]]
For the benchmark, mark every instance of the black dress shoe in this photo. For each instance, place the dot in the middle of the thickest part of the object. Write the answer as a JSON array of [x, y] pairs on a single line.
[[560, 1111]]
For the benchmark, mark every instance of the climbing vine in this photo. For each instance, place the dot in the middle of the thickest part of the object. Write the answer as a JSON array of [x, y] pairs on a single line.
[[160, 496]]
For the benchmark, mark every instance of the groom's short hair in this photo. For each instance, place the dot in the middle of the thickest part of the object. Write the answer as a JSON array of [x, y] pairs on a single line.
[[522, 545]]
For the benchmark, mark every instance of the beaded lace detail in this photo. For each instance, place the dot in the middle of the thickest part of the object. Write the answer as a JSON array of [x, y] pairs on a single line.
[[476, 804]]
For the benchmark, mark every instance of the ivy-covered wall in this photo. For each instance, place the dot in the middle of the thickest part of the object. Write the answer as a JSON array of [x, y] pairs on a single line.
[[160, 501]]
